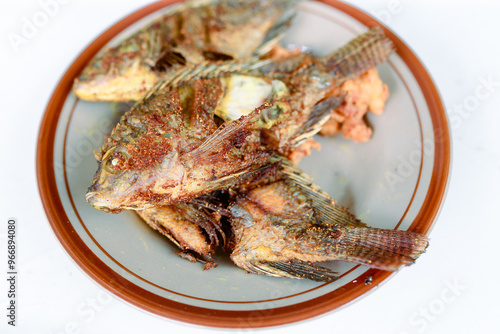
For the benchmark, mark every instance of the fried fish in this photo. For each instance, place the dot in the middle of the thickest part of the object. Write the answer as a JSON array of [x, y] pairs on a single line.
[[195, 32], [278, 223], [157, 155]]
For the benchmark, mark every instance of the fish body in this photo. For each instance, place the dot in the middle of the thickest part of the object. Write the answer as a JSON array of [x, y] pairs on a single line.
[[284, 228], [195, 32]]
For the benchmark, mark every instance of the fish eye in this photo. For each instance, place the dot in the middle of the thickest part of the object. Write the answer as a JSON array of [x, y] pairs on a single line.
[[113, 161]]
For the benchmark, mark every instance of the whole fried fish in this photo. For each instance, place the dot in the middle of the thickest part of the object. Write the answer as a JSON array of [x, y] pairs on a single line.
[[285, 227], [170, 150], [195, 32], [159, 153]]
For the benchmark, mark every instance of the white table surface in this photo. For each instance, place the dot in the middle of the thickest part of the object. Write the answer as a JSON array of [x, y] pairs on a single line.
[[458, 43]]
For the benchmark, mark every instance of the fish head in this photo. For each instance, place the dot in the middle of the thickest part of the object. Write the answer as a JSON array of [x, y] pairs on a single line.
[[140, 162], [115, 188], [110, 187]]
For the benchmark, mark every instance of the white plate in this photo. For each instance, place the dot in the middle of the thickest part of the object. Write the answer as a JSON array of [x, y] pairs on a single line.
[[397, 180]]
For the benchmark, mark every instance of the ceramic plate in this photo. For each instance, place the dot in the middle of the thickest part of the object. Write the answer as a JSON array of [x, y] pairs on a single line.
[[397, 180]]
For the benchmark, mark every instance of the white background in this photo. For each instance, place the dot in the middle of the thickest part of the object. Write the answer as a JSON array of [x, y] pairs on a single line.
[[457, 42]]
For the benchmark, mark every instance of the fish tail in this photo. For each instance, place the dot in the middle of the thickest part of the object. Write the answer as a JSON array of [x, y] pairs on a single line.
[[351, 240], [359, 55], [383, 249]]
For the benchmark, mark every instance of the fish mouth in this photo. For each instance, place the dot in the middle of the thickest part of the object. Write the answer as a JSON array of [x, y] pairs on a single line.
[[116, 87], [101, 202], [94, 199], [98, 89]]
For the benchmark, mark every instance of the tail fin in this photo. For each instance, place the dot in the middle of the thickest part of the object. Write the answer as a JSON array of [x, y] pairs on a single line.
[[359, 55], [383, 249], [355, 241]]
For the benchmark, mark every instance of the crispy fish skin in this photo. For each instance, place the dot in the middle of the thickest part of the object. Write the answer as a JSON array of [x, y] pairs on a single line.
[[285, 227], [194, 32]]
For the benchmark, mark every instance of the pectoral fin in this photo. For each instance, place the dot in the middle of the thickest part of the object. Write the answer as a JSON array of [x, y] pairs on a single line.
[[230, 135]]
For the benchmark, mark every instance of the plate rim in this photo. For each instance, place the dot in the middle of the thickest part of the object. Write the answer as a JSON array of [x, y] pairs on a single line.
[[96, 268]]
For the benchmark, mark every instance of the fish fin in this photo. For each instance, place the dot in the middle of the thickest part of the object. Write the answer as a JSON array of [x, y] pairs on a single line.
[[326, 208], [229, 135], [205, 70], [208, 223], [359, 55], [319, 115], [260, 177], [213, 69], [383, 249], [279, 27], [294, 269]]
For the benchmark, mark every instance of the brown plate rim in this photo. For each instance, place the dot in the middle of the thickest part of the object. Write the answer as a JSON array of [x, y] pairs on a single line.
[[151, 302]]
